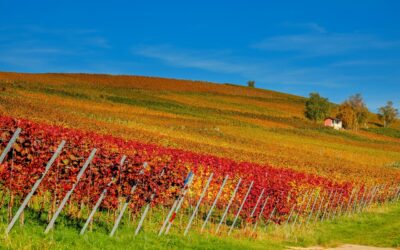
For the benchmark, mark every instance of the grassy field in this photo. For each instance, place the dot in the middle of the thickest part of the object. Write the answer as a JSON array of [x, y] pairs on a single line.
[[241, 123], [377, 227]]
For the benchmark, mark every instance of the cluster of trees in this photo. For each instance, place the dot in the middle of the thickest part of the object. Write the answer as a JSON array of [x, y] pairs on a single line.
[[353, 112]]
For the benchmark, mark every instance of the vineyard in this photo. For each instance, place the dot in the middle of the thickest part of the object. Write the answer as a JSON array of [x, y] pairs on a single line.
[[146, 176], [156, 155]]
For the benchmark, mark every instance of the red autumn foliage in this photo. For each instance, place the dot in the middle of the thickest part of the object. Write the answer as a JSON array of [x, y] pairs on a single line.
[[36, 143]]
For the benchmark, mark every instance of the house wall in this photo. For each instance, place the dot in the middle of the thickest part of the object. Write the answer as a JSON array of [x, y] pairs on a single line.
[[328, 122]]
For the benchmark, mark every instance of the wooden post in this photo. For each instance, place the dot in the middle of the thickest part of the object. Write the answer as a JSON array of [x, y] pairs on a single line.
[[68, 195], [35, 186]]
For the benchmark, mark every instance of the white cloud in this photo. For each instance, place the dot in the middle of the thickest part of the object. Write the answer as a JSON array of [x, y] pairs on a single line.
[[320, 44], [221, 62]]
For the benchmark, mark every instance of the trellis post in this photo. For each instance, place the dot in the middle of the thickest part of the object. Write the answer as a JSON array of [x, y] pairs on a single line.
[[260, 214], [35, 186], [101, 198], [178, 206], [125, 206], [240, 208], [327, 206], [319, 208], [68, 195], [175, 203], [215, 202], [337, 206], [308, 205], [146, 210], [198, 204], [229, 204], [10, 144], [312, 209], [300, 207]]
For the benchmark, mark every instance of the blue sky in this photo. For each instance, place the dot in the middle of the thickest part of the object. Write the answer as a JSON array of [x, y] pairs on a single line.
[[336, 48]]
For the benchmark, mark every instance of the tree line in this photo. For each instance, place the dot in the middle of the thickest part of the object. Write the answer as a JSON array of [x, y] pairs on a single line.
[[353, 112]]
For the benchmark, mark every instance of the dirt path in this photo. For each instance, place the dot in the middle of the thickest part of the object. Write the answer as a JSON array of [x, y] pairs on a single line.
[[344, 247]]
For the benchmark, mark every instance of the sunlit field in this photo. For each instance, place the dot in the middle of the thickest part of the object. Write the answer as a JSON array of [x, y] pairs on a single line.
[[235, 122]]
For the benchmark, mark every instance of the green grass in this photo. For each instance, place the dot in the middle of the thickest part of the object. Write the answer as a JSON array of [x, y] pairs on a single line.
[[378, 227], [392, 132]]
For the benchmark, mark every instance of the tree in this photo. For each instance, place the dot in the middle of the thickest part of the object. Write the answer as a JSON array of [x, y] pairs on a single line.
[[251, 84], [388, 114], [347, 115], [353, 112], [317, 107]]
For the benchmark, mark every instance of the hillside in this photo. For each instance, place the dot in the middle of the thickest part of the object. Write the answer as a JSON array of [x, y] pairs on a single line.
[[236, 122]]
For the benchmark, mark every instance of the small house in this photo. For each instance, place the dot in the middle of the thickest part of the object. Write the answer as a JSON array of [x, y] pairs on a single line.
[[333, 123]]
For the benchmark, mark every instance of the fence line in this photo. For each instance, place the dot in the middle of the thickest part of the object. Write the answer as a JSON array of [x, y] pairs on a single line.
[[361, 198]]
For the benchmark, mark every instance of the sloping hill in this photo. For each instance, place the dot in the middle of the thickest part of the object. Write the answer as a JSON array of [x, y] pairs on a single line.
[[241, 123]]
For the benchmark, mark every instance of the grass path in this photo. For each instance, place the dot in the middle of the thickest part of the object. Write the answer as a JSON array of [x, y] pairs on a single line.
[[379, 228]]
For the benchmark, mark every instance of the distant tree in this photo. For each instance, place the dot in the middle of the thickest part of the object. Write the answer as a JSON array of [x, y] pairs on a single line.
[[353, 112], [388, 114], [347, 115], [251, 84], [317, 107]]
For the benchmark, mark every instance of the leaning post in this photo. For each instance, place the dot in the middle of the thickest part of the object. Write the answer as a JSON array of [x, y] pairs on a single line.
[[35, 186], [68, 195]]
